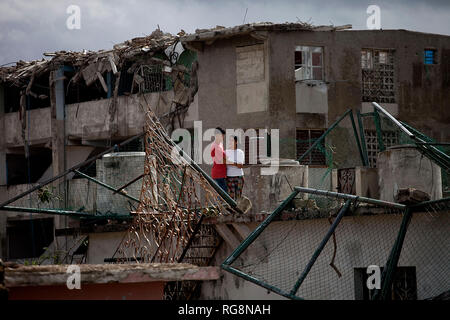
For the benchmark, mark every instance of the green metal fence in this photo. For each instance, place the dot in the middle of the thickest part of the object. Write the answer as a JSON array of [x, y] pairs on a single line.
[[320, 247]]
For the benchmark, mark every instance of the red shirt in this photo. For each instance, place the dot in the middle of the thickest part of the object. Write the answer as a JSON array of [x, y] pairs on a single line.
[[219, 169]]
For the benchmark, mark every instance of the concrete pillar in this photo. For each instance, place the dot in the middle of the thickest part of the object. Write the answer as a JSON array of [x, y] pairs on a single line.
[[57, 104]]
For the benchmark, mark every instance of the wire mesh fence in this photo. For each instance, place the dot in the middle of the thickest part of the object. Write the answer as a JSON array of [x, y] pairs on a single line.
[[87, 193], [322, 150], [173, 198], [300, 255], [381, 133]]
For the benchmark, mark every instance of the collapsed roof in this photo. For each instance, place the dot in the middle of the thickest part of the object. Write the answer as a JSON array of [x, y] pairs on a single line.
[[108, 60], [20, 73]]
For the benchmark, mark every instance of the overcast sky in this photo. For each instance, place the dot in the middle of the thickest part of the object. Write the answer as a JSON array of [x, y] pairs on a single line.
[[30, 27]]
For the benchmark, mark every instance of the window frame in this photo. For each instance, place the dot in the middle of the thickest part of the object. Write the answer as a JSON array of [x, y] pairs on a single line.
[[434, 51], [308, 64], [383, 70], [322, 130]]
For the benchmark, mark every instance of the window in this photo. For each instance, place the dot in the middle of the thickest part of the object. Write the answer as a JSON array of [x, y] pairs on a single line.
[[251, 79], [404, 284], [304, 140], [17, 164], [390, 138], [377, 75], [429, 56], [28, 238], [136, 145], [308, 63], [150, 78]]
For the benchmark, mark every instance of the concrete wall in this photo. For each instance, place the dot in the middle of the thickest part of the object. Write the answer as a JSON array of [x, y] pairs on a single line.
[[342, 83], [406, 167], [87, 120], [267, 191], [39, 127], [311, 97], [361, 241], [366, 182], [102, 246], [91, 120]]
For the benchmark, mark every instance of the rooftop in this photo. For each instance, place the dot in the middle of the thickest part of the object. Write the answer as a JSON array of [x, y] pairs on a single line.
[[222, 32]]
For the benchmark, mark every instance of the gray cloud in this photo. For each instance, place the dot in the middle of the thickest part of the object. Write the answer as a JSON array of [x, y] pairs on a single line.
[[28, 28]]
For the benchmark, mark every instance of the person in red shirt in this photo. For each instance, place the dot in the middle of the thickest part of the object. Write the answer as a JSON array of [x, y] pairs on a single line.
[[219, 168]]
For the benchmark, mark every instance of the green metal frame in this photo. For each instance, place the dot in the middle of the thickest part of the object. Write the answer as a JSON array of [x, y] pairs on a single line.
[[76, 214], [376, 119], [363, 138], [389, 269], [349, 113], [321, 246], [440, 158], [107, 186], [76, 167], [355, 133], [226, 265]]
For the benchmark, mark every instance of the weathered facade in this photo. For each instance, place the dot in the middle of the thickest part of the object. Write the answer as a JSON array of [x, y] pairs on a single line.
[[296, 78], [253, 73], [56, 113]]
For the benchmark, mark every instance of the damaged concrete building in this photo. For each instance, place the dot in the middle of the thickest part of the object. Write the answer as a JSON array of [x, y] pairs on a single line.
[[306, 81], [58, 112]]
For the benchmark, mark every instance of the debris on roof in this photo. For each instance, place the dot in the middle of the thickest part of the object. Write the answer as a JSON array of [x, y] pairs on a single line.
[[93, 61], [88, 62], [222, 32]]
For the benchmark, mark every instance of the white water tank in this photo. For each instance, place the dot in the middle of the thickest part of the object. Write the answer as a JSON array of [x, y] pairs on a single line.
[[117, 169]]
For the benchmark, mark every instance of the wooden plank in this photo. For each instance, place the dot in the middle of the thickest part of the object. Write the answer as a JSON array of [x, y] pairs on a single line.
[[102, 81]]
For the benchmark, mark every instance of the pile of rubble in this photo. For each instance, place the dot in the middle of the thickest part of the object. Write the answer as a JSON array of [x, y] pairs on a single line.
[[89, 63]]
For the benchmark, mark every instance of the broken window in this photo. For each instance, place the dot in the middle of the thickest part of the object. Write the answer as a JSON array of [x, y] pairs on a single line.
[[429, 56], [137, 145], [305, 139], [37, 98], [11, 98], [78, 91], [390, 138], [308, 63], [21, 171], [150, 78], [377, 75], [29, 238]]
